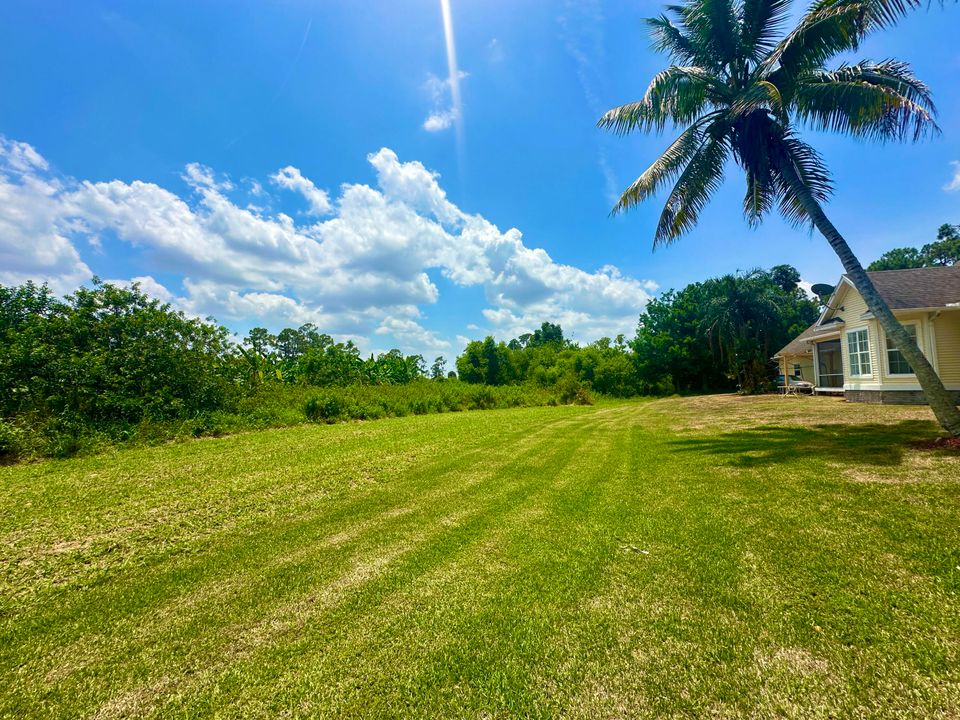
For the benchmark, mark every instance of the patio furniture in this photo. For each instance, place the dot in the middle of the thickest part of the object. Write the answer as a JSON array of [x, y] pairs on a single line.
[[794, 385]]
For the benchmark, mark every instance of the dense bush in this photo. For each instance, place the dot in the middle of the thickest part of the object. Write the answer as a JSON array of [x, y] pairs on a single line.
[[108, 364], [719, 334], [80, 371], [546, 359], [12, 439], [107, 355], [365, 402]]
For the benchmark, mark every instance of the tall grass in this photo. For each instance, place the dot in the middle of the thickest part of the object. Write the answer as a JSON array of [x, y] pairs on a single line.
[[274, 405], [419, 398]]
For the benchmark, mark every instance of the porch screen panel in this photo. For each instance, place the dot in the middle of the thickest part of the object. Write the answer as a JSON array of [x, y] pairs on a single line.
[[829, 364], [858, 347]]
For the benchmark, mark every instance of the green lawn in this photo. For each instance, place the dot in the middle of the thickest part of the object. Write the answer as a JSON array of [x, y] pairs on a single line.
[[707, 557]]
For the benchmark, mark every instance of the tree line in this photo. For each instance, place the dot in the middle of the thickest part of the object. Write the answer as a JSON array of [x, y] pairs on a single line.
[[306, 356], [943, 252], [117, 361], [715, 335]]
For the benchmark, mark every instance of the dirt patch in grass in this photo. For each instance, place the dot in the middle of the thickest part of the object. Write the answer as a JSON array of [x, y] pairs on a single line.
[[794, 660], [736, 412], [915, 467], [943, 443]]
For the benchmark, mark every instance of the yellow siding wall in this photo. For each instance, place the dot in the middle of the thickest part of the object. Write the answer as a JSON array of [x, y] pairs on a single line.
[[853, 306], [853, 309], [947, 328]]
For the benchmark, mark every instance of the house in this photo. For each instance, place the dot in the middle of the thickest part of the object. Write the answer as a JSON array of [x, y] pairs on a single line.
[[846, 351]]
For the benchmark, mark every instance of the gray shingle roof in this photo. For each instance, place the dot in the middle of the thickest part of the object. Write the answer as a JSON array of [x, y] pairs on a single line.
[[797, 346], [918, 288]]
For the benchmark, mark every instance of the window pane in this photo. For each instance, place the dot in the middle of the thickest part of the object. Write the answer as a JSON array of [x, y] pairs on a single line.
[[859, 350], [898, 364], [911, 331]]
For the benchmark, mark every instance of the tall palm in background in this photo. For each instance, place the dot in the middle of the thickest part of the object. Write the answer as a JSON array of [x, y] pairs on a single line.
[[739, 89], [733, 321]]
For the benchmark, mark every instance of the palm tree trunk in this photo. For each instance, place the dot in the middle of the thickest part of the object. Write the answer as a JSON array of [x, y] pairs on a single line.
[[937, 395]]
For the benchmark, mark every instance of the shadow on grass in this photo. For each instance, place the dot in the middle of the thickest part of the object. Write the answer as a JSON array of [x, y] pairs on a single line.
[[869, 444]]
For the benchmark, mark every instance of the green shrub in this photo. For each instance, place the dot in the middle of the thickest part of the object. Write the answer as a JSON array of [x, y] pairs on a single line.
[[12, 441], [370, 402], [109, 365], [68, 435], [326, 407], [270, 405], [570, 391]]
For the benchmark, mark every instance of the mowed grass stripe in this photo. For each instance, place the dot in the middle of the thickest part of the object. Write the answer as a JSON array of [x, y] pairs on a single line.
[[95, 510], [146, 592], [291, 621], [347, 507], [729, 557], [400, 630]]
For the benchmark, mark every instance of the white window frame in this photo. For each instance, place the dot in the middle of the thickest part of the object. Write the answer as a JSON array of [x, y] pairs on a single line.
[[887, 349], [860, 353]]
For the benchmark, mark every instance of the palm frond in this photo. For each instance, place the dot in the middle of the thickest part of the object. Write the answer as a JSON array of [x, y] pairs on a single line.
[[702, 176], [665, 168], [670, 39], [760, 197], [881, 14], [762, 22], [762, 95], [678, 95], [750, 138], [811, 169], [831, 27], [713, 26], [882, 101]]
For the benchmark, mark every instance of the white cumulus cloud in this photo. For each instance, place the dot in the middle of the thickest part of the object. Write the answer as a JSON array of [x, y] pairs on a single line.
[[440, 120], [35, 239], [147, 284], [290, 178], [359, 267], [414, 334]]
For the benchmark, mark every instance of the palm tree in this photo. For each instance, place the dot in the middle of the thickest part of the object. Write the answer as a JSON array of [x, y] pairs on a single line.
[[736, 319], [740, 88]]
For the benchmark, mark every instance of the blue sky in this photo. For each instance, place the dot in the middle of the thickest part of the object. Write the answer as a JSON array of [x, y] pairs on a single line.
[[277, 163]]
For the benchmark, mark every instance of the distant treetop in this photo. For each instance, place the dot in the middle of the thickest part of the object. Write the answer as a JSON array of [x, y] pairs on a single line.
[[942, 253]]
